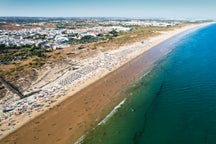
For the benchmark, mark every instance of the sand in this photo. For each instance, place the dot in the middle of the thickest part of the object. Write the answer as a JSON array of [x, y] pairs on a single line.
[[88, 102]]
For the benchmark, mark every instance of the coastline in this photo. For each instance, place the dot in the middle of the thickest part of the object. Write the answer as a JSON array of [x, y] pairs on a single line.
[[92, 104]]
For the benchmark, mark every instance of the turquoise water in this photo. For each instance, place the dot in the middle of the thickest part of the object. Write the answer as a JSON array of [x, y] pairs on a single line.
[[175, 103]]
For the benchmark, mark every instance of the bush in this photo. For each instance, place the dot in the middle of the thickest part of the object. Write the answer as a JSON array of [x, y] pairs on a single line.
[[114, 33]]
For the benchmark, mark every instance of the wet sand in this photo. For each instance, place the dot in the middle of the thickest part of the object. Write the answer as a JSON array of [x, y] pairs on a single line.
[[69, 120]]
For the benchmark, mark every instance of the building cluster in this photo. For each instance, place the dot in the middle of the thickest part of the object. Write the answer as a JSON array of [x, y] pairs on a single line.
[[142, 23], [51, 37]]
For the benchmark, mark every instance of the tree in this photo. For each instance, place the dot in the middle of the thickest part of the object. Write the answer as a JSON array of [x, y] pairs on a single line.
[[2, 47], [114, 33]]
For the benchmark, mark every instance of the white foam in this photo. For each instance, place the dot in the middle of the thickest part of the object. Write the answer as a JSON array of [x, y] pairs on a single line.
[[145, 74], [80, 140], [112, 112]]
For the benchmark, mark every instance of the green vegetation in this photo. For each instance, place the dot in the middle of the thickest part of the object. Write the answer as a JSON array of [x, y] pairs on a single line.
[[114, 33], [137, 33], [37, 62], [10, 54], [91, 39]]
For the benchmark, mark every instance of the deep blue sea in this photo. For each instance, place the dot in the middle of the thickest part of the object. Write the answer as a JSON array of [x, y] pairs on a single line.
[[175, 103]]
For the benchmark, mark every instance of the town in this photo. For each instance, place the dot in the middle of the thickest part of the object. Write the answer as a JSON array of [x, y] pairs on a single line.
[[52, 39], [33, 39]]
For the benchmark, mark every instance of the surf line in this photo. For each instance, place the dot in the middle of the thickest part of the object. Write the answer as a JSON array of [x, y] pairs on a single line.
[[82, 138], [112, 112]]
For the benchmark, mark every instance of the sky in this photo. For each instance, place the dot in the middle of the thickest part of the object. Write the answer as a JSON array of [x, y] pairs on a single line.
[[199, 9]]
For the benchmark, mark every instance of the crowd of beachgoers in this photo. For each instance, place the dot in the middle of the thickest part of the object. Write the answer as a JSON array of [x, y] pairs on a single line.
[[47, 91]]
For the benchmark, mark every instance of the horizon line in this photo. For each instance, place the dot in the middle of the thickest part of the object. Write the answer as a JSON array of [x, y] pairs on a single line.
[[180, 18]]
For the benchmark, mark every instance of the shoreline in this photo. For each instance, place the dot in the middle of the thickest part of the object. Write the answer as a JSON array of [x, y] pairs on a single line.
[[77, 94], [115, 109]]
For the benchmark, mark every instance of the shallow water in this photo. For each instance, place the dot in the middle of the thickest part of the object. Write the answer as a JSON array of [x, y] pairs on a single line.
[[175, 103]]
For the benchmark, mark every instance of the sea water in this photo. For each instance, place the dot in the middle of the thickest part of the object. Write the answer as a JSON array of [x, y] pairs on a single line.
[[175, 103]]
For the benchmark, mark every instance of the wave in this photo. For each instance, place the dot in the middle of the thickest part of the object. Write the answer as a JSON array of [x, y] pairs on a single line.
[[81, 139], [112, 112]]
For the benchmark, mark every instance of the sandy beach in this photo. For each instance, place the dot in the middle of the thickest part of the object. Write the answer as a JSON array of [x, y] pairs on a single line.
[[72, 101]]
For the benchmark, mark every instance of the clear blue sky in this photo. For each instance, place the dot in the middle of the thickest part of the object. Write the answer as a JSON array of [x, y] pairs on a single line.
[[110, 8]]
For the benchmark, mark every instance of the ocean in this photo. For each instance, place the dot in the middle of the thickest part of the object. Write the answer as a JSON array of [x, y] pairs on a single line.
[[175, 103]]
